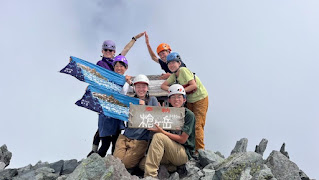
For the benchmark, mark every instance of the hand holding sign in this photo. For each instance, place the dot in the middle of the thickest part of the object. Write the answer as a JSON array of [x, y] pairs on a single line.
[[157, 129]]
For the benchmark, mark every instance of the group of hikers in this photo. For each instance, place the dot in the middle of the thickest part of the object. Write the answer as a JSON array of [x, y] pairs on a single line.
[[147, 149]]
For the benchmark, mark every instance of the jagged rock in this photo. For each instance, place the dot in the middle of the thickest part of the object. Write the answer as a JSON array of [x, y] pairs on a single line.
[[5, 155], [25, 169], [120, 170], [209, 166], [303, 176], [191, 168], [200, 173], [40, 164], [282, 150], [91, 168], [182, 171], [240, 146], [57, 166], [206, 157], [208, 174], [264, 174], [260, 149], [162, 172], [174, 176], [69, 166], [191, 177], [63, 177], [38, 172], [240, 165], [2, 165], [7, 174], [220, 154], [235, 164], [45, 173], [281, 167], [245, 175]]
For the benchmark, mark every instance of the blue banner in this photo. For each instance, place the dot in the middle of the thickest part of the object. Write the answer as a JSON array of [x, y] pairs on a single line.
[[107, 102], [94, 75]]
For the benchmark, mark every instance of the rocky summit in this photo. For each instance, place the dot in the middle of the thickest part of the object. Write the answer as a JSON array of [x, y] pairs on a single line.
[[240, 165]]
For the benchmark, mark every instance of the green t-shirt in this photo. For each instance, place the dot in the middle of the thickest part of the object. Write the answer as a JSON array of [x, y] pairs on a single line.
[[185, 75], [189, 128]]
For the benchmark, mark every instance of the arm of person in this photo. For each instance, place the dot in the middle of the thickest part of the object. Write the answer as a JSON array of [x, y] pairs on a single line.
[[131, 43], [175, 137], [165, 85], [192, 86], [152, 54], [165, 76]]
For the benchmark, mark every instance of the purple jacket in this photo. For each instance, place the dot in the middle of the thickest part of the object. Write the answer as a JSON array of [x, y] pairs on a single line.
[[107, 63]]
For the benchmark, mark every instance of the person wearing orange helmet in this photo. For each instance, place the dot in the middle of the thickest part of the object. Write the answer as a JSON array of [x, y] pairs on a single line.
[[162, 50]]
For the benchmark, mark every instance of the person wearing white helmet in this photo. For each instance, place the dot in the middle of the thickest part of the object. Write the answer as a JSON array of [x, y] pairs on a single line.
[[132, 145], [168, 148]]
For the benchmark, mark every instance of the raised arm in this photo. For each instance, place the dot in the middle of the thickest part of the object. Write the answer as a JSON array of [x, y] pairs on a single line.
[[131, 43], [152, 54]]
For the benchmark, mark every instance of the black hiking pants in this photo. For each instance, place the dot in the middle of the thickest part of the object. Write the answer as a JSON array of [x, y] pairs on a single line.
[[106, 142]]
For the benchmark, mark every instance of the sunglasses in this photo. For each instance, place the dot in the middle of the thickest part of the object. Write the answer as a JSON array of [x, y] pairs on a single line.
[[110, 50]]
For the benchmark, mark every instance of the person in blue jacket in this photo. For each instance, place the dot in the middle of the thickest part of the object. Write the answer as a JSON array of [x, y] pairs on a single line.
[[110, 128], [108, 51]]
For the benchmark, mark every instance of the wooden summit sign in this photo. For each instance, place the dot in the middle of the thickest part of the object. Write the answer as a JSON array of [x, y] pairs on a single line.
[[169, 118]]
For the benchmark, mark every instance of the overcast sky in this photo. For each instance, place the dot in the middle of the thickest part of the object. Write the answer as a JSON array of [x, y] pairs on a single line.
[[257, 59]]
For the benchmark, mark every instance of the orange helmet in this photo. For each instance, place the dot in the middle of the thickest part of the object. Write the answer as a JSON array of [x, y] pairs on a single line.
[[162, 47]]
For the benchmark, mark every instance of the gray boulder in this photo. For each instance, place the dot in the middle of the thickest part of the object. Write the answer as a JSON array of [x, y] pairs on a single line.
[[69, 166], [5, 155], [283, 151], [281, 167], [240, 146], [220, 154], [163, 172], [260, 149], [234, 165], [91, 168], [208, 174], [245, 175], [264, 174], [191, 168], [58, 167], [45, 173], [2, 165], [303, 175], [206, 157], [174, 176], [119, 170], [7, 174]]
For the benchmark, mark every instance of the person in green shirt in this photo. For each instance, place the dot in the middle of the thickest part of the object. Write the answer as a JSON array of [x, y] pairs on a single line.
[[197, 96], [166, 147]]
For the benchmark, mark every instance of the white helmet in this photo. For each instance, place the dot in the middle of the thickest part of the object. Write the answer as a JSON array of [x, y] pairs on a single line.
[[141, 79], [176, 89]]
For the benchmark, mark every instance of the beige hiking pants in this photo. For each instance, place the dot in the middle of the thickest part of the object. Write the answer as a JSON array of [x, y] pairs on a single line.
[[163, 150], [130, 151]]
